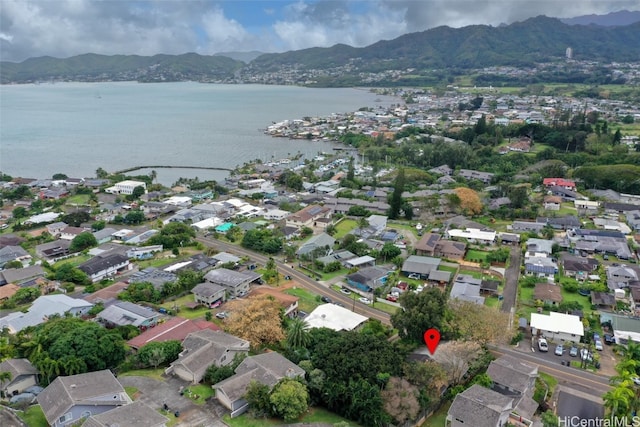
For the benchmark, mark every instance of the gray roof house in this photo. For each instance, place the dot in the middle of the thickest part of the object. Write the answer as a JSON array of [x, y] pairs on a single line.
[[43, 308], [467, 288], [137, 414], [209, 293], [22, 277], [421, 265], [67, 400], [23, 376], [100, 267], [322, 240], [13, 253], [235, 282], [153, 275], [266, 368], [204, 348], [478, 406], [369, 278], [127, 313], [515, 379], [53, 250]]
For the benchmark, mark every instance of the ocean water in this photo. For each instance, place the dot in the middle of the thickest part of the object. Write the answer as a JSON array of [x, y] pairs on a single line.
[[76, 128]]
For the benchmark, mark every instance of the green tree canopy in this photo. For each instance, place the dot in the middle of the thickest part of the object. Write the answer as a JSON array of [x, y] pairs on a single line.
[[289, 399], [82, 241], [421, 311]]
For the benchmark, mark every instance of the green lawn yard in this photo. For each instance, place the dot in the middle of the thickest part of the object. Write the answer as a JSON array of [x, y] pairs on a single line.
[[474, 255], [308, 301], [34, 417], [344, 227], [314, 415]]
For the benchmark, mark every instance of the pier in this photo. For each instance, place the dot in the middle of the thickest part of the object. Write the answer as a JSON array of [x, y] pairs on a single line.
[[135, 168]]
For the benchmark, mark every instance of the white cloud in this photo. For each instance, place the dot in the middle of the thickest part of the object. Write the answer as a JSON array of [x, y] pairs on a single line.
[[64, 28]]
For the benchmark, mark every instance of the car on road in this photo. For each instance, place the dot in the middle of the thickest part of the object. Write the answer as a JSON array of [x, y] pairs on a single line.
[[222, 315], [364, 300], [559, 350], [345, 291], [542, 345], [326, 299], [573, 352]]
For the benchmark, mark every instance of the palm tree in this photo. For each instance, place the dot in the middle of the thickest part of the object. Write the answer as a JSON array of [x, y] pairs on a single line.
[[73, 365], [631, 351], [618, 400], [298, 334], [48, 367]]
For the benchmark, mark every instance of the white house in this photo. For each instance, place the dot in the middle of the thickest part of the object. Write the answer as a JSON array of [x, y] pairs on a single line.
[[334, 317], [473, 235], [126, 187], [557, 326]]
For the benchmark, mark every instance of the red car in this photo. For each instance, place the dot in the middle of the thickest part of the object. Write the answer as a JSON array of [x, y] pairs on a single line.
[[392, 298]]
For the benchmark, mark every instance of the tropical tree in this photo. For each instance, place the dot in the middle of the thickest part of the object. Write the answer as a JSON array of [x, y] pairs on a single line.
[[5, 376], [395, 202], [618, 401], [298, 334], [257, 320], [401, 399], [289, 399], [83, 241]]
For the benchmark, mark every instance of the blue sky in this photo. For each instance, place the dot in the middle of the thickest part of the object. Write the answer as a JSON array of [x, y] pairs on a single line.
[[63, 28]]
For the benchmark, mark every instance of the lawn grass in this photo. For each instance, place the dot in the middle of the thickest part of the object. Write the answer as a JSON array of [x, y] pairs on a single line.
[[74, 261], [526, 294], [383, 306], [451, 270], [156, 374], [308, 301], [131, 391], [78, 199], [492, 301], [344, 227], [474, 274], [551, 381], [475, 255], [438, 418], [314, 415], [34, 417], [199, 393], [183, 311]]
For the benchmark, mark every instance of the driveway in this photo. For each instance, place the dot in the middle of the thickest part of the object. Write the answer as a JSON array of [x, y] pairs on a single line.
[[576, 408], [511, 281], [156, 393]]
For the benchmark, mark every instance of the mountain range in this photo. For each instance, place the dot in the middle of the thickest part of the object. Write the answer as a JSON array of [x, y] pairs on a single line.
[[522, 44]]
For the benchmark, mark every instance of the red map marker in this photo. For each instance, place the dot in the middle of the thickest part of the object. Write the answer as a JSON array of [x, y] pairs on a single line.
[[432, 339]]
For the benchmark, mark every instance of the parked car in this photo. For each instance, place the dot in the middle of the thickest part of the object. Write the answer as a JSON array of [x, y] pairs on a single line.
[[364, 300], [542, 345], [573, 352], [586, 355], [598, 345], [326, 299], [222, 315], [609, 339], [596, 337], [345, 291], [23, 397], [559, 350], [392, 298], [413, 276]]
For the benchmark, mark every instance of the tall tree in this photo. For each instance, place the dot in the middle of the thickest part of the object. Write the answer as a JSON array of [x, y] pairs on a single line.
[[257, 320], [298, 334], [401, 400], [421, 311], [290, 399], [479, 323], [395, 202]]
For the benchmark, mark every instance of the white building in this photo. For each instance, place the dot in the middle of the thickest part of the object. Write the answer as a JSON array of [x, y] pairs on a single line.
[[557, 326], [126, 187], [334, 317], [473, 235]]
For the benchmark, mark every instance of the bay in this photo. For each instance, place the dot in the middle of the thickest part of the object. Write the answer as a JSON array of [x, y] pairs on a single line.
[[76, 128]]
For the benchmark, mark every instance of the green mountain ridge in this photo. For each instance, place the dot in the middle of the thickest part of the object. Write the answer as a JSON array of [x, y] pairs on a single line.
[[521, 44]]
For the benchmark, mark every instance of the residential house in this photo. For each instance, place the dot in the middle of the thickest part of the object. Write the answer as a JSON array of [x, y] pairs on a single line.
[[13, 253], [267, 368], [143, 252], [367, 279], [489, 287], [439, 278], [205, 348], [564, 194], [7, 291], [559, 182], [56, 228], [23, 376], [548, 293], [53, 251], [126, 187], [561, 223], [105, 235], [127, 313], [276, 214], [508, 238], [634, 296], [43, 308], [334, 317], [137, 414], [70, 233], [153, 275], [603, 300], [288, 303], [586, 205], [174, 328], [209, 293], [67, 400], [473, 235], [319, 241], [23, 277], [478, 406], [426, 246], [108, 294], [619, 276], [307, 216], [467, 288], [525, 226], [360, 262], [450, 249], [557, 327], [109, 265], [442, 170], [578, 267], [515, 379], [484, 177], [420, 265], [552, 203], [341, 256], [539, 248], [541, 267], [235, 282], [341, 205]]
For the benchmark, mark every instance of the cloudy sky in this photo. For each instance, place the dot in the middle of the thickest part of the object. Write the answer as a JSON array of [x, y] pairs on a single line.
[[63, 28]]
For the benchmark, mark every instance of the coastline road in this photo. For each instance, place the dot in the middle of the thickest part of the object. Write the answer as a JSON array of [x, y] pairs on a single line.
[[303, 280]]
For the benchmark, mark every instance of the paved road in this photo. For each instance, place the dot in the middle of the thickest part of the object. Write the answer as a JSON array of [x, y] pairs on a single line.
[[511, 276], [584, 381], [303, 280]]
